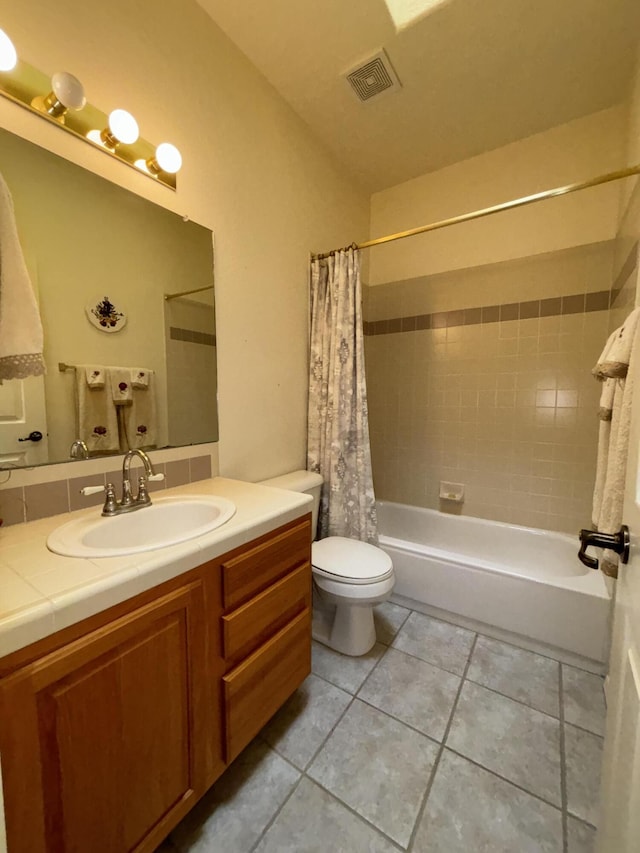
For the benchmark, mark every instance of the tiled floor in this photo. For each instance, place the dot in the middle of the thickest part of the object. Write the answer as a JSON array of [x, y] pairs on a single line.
[[439, 740]]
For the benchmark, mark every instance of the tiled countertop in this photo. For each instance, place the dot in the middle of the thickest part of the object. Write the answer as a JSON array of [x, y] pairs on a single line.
[[42, 592]]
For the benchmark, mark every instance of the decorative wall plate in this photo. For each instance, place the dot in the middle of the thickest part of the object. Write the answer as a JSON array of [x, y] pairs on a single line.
[[105, 315]]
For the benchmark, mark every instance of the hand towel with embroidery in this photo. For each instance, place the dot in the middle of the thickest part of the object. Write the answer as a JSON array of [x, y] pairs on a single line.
[[120, 385], [94, 373], [140, 377], [141, 421], [97, 419]]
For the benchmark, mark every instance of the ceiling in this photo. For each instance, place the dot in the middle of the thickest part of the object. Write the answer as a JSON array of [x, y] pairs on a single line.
[[476, 74]]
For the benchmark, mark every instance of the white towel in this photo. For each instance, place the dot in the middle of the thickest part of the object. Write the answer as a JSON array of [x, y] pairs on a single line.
[[618, 366], [140, 418], [94, 374], [617, 354], [604, 439], [97, 421], [140, 377], [21, 339], [120, 385], [597, 370]]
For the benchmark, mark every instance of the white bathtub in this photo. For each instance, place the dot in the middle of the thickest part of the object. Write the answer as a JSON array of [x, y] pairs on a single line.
[[519, 580]]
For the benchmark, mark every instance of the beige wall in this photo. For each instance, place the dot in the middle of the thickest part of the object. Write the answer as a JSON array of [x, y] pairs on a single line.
[[508, 406], [572, 152], [628, 232], [632, 140], [252, 173]]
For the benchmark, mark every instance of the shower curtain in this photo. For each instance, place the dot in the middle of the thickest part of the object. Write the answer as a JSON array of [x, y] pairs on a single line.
[[338, 427]]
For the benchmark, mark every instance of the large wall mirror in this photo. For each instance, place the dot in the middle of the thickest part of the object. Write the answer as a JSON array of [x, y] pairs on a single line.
[[86, 240]]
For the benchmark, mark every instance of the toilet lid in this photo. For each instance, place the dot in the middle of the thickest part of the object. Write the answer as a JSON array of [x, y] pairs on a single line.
[[350, 560]]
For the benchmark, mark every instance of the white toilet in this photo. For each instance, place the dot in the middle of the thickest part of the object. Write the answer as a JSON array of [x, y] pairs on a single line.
[[349, 576]]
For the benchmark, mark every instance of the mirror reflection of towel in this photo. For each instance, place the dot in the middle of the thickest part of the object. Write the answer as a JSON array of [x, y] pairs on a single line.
[[140, 417], [21, 340], [140, 377], [97, 420], [116, 408], [120, 384], [94, 373]]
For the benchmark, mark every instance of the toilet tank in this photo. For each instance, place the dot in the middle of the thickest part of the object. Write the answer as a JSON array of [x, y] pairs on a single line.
[[301, 481]]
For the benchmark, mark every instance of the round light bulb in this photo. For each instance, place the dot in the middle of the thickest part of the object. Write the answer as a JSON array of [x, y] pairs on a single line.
[[123, 126], [8, 55], [68, 90], [168, 158]]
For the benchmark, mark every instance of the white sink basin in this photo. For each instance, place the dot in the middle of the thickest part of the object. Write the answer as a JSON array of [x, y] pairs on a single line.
[[166, 522]]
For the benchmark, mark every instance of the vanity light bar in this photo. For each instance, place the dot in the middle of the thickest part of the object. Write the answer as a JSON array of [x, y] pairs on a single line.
[[61, 100]]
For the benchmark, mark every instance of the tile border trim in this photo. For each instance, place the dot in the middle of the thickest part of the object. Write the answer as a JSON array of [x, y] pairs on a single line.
[[192, 336], [578, 303]]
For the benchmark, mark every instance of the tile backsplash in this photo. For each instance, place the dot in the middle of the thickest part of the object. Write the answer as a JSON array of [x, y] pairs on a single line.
[[30, 494]]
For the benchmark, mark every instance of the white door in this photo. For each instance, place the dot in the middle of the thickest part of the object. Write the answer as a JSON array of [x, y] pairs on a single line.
[[619, 825], [22, 413]]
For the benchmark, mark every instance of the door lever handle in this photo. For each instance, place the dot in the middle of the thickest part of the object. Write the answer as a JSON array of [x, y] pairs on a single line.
[[34, 435], [618, 542]]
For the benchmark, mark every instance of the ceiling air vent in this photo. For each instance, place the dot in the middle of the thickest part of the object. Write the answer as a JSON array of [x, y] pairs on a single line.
[[373, 77]]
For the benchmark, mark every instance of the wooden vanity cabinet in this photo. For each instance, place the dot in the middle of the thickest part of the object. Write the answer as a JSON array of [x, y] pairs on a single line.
[[266, 629], [103, 742], [112, 729]]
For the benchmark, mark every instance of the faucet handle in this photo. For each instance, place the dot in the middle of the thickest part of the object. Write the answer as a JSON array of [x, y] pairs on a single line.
[[110, 503], [143, 495], [92, 490]]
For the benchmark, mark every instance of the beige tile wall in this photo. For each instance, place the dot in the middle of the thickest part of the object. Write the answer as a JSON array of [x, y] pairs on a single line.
[[506, 408], [191, 357]]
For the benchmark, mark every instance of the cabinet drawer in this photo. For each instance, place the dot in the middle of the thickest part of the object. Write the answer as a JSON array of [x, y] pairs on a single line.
[[250, 625], [244, 574], [257, 687]]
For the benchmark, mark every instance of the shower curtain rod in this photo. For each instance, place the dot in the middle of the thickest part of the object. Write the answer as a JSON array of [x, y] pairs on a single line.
[[169, 296], [496, 208]]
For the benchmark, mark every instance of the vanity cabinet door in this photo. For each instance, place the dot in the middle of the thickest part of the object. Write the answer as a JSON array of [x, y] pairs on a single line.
[[103, 740]]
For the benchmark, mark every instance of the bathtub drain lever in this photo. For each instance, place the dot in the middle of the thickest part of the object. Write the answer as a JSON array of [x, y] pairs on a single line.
[[618, 542]]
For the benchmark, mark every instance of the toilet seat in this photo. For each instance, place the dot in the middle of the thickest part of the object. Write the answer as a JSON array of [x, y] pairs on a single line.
[[350, 561]]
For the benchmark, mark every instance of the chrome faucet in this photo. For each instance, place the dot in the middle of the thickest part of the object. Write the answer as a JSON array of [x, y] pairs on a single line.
[[79, 450], [128, 503]]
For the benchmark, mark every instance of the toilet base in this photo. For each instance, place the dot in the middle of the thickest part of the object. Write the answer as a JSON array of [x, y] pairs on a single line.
[[346, 628]]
